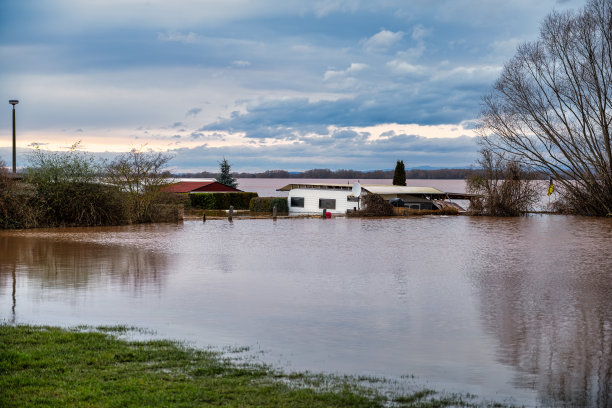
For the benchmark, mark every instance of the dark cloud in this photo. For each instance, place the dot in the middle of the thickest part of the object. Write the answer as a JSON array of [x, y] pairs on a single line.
[[193, 112], [353, 151], [280, 119], [206, 136]]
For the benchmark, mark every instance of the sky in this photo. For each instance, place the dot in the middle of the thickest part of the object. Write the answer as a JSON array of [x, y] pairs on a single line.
[[274, 84]]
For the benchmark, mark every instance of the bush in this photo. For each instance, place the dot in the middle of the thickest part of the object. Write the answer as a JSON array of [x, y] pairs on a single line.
[[266, 204], [221, 201], [506, 187], [15, 202], [68, 191], [373, 205]]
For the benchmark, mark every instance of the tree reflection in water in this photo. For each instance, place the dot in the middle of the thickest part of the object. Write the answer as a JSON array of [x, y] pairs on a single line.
[[546, 297], [55, 261]]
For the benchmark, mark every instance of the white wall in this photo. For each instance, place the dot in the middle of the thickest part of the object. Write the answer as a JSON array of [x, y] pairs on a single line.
[[311, 200]]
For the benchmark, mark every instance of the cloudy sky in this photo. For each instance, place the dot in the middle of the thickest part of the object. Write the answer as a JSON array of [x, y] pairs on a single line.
[[274, 84]]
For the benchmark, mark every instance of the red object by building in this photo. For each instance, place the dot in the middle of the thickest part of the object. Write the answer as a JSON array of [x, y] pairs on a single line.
[[199, 187]]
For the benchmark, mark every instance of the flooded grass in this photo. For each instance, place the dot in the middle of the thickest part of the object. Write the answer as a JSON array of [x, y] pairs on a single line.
[[49, 366]]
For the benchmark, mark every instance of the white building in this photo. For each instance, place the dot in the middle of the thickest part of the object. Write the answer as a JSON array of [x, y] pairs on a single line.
[[314, 198], [307, 198]]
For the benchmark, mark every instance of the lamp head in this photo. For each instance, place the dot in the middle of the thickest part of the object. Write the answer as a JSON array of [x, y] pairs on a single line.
[[13, 102]]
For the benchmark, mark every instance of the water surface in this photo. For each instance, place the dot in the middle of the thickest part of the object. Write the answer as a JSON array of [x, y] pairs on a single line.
[[515, 309]]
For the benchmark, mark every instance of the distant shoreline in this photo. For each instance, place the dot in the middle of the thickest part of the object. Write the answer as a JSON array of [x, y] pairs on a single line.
[[425, 174], [455, 174]]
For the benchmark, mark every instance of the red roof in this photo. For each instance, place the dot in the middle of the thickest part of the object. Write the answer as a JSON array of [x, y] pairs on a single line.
[[198, 186]]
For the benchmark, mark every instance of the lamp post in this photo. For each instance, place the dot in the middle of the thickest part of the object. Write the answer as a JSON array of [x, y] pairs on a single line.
[[14, 102]]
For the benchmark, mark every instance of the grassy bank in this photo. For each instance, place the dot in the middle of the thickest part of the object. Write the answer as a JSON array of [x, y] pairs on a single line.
[[47, 366]]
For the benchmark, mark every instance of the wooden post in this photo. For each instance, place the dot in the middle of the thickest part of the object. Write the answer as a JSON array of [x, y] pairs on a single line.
[[204, 217], [230, 214], [274, 212], [324, 212]]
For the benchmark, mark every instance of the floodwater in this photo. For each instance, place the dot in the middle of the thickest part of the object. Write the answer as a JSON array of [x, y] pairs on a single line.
[[517, 310]]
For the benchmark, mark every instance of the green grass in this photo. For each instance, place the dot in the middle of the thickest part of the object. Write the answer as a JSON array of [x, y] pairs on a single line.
[[48, 366]]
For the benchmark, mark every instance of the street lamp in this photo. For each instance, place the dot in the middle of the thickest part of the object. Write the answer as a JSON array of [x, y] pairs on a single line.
[[14, 102]]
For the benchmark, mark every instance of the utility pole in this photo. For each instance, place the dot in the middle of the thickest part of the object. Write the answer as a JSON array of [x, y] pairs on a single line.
[[14, 102]]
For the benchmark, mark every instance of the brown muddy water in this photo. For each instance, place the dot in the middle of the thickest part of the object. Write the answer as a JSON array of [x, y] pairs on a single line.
[[518, 310]]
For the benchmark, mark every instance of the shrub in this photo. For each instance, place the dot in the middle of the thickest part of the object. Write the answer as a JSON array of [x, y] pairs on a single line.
[[15, 202], [221, 201], [506, 187], [373, 205], [266, 204], [68, 190]]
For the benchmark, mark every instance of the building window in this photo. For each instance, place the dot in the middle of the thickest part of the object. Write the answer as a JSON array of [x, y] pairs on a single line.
[[297, 202], [327, 203]]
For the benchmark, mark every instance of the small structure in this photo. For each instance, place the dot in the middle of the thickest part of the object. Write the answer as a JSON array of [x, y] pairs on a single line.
[[187, 187], [310, 198], [313, 198]]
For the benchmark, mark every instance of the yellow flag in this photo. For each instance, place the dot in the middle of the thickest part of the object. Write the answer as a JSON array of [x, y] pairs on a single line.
[[551, 188]]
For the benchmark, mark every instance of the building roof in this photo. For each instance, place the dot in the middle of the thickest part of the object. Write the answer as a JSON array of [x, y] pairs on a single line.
[[387, 189], [382, 189], [320, 186], [198, 186]]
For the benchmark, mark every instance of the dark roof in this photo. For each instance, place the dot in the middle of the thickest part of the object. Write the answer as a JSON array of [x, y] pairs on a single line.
[[198, 186]]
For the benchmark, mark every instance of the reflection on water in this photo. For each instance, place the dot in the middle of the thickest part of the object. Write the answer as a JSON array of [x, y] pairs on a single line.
[[546, 293], [58, 259], [499, 307]]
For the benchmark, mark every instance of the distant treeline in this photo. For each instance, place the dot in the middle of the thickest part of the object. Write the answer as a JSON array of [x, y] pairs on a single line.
[[458, 174]]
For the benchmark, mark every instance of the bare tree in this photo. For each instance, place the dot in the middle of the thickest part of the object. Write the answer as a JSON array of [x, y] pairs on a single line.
[[551, 108], [141, 175], [505, 187]]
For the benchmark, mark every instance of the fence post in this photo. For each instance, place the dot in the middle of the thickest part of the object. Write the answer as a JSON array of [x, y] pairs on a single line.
[[230, 214]]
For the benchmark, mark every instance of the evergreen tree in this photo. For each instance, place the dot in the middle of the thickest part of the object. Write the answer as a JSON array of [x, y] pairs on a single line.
[[399, 177], [224, 176]]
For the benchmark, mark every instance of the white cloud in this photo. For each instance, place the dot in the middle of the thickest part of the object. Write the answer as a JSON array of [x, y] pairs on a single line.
[[356, 67], [353, 68], [419, 32], [382, 40], [459, 73], [405, 68], [241, 64], [506, 47]]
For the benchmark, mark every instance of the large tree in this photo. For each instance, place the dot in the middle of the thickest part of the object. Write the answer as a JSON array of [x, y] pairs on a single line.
[[551, 108]]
